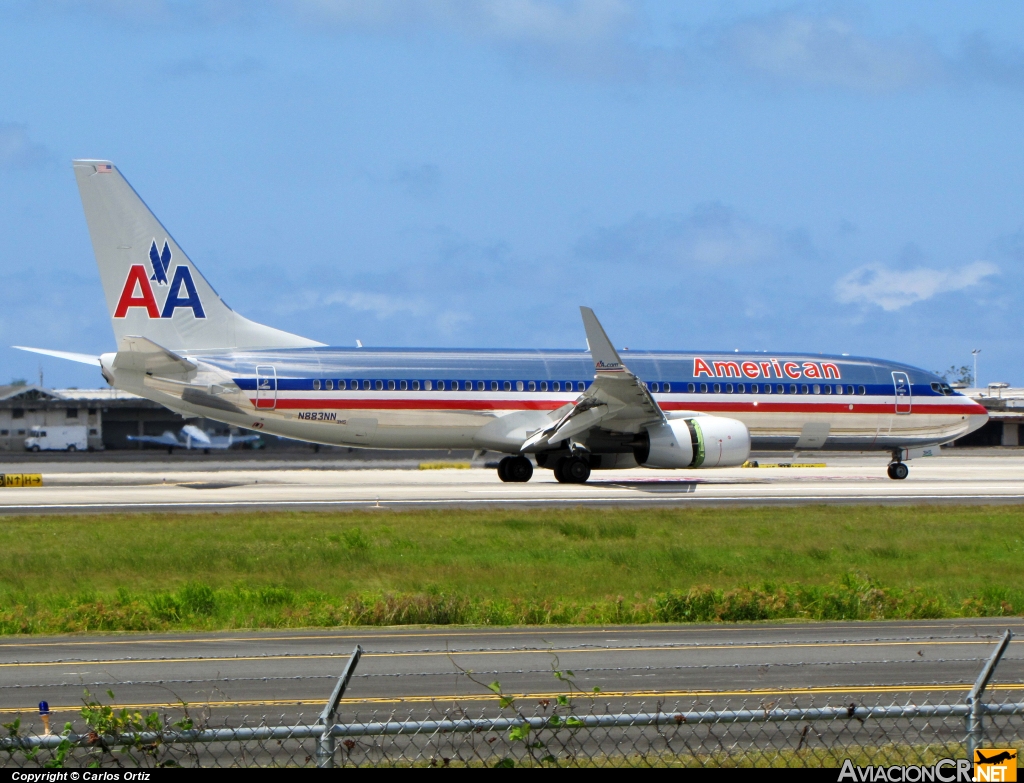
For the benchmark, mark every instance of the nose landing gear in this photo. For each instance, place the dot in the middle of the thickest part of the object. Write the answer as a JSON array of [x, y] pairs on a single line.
[[515, 469], [898, 470]]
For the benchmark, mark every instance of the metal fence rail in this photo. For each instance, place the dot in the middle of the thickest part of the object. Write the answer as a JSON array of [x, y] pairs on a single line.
[[574, 730]]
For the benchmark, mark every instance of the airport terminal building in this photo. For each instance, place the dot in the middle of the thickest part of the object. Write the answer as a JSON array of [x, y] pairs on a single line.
[[110, 415]]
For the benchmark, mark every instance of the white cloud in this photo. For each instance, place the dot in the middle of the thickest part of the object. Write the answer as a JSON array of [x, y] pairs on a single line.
[[17, 150], [893, 290], [712, 235], [828, 50], [518, 21]]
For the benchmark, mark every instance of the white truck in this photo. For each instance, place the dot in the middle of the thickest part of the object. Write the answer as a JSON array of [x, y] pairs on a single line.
[[58, 439]]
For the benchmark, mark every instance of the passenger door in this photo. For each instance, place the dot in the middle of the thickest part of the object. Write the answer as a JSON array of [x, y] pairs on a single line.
[[901, 382], [266, 387]]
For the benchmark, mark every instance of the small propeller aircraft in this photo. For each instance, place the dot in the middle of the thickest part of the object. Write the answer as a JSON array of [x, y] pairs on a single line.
[[191, 437]]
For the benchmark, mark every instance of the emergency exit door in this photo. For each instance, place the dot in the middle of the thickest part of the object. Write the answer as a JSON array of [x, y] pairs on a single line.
[[266, 387]]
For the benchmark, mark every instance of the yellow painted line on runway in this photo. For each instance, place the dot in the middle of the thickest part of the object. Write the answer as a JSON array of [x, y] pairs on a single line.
[[381, 634], [491, 697], [521, 651]]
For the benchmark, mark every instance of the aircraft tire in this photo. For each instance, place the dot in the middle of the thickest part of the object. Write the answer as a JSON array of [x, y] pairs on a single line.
[[898, 471], [519, 469], [559, 475], [576, 470], [503, 469]]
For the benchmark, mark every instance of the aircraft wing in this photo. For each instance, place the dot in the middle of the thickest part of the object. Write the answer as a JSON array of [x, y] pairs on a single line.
[[167, 439], [616, 400]]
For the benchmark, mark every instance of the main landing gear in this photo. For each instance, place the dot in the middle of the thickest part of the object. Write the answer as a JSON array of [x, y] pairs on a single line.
[[572, 470], [898, 470], [515, 469]]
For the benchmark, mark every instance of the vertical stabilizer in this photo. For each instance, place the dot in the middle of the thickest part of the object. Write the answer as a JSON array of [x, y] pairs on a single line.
[[152, 288]]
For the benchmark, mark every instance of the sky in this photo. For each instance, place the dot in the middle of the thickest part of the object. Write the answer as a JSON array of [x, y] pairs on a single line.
[[822, 177]]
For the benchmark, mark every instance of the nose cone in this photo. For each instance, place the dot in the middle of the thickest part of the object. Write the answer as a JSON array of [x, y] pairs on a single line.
[[976, 421]]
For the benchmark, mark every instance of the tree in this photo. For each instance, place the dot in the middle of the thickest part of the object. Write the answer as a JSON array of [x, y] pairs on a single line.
[[958, 375]]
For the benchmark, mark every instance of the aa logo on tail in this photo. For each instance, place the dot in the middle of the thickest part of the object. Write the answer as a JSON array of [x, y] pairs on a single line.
[[137, 291]]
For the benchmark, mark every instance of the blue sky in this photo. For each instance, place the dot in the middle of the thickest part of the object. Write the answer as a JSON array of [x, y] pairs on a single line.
[[834, 177]]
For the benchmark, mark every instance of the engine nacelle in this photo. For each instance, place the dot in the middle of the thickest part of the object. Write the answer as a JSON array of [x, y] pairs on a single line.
[[698, 442]]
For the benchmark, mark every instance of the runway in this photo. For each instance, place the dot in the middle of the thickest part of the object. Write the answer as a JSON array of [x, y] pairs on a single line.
[[287, 675], [988, 476]]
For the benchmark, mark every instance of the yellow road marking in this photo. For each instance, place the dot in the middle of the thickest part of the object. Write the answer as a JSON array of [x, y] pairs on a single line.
[[530, 696], [539, 630], [521, 651]]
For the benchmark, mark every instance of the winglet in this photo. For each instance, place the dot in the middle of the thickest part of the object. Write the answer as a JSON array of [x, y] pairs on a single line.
[[606, 358]]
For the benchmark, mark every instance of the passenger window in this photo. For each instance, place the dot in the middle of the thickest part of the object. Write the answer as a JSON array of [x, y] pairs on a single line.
[[366, 385], [404, 385], [741, 388], [532, 386], [703, 388], [839, 388], [753, 388], [391, 385], [378, 385], [341, 384], [817, 389], [480, 385], [849, 390], [780, 388], [691, 388], [667, 387], [494, 386], [654, 387], [428, 385], [415, 385], [329, 385], [861, 390], [316, 385], [440, 385], [718, 388], [543, 385], [792, 388], [728, 388], [581, 386], [519, 385], [803, 388], [828, 389], [469, 385], [507, 385], [556, 386]]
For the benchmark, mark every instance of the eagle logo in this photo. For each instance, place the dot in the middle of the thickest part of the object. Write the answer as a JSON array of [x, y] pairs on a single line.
[[161, 263]]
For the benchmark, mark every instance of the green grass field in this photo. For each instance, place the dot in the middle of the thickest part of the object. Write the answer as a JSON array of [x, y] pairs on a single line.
[[152, 571]]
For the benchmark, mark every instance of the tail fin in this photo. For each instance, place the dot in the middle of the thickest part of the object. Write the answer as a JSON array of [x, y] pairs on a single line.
[[152, 288]]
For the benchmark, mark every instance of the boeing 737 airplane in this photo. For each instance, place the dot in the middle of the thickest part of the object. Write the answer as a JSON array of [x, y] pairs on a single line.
[[574, 411]]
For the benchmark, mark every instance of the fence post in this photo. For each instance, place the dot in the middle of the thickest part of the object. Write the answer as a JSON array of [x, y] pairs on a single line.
[[975, 724], [325, 745]]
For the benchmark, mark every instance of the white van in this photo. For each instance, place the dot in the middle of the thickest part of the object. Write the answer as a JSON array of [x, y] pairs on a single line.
[[58, 439]]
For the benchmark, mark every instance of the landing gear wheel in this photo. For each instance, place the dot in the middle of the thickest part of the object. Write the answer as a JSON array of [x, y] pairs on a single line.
[[898, 471], [503, 469], [519, 469], [572, 470]]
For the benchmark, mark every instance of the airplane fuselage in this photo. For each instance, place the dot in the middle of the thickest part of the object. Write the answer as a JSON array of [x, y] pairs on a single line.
[[445, 399]]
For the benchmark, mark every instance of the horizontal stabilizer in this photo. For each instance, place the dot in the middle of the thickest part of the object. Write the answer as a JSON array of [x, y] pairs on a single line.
[[84, 358], [141, 355]]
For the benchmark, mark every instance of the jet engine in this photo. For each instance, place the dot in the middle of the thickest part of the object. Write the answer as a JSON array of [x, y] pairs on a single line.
[[698, 442]]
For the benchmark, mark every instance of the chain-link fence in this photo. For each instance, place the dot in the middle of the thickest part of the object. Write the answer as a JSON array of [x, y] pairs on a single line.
[[574, 729]]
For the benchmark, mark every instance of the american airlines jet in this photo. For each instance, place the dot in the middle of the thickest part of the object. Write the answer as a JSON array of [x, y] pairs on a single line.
[[573, 411]]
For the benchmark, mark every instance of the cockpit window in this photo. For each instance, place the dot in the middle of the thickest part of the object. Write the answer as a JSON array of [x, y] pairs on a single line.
[[942, 388]]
